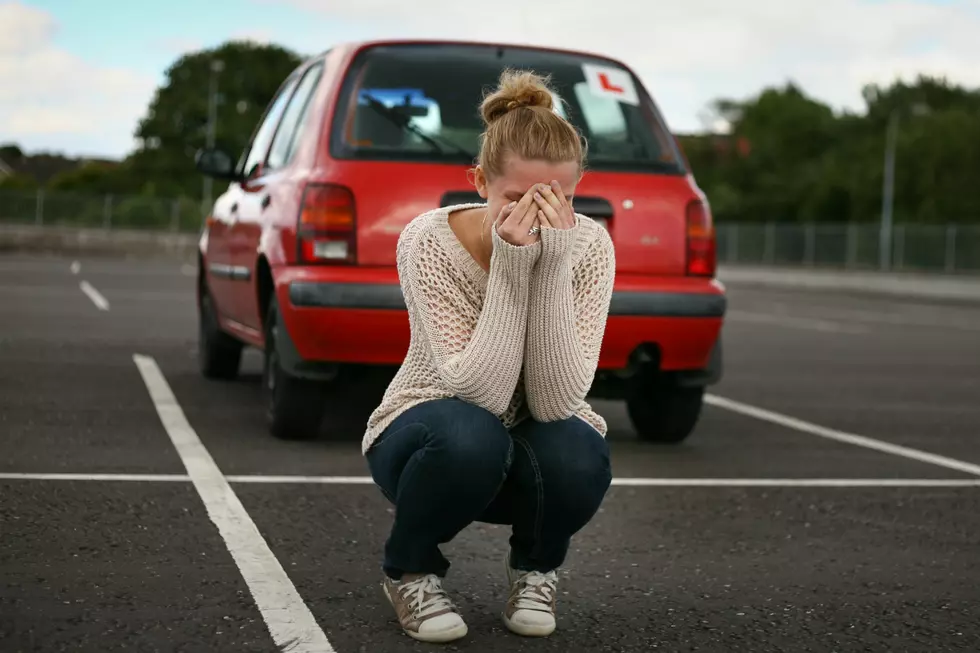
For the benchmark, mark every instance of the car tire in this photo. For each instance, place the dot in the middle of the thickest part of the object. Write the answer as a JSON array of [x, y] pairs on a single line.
[[294, 406], [664, 412], [219, 355]]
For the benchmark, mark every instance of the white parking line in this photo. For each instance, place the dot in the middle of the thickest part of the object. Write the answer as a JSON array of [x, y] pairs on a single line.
[[289, 620], [664, 482], [621, 482], [958, 319], [76, 267], [842, 436], [808, 323], [136, 478], [328, 480], [101, 302]]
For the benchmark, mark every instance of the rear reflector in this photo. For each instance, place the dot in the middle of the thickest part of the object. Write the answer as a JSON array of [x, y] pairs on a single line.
[[326, 226], [701, 255]]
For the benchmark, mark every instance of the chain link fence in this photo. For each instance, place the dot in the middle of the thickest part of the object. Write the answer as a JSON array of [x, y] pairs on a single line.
[[66, 209], [914, 247]]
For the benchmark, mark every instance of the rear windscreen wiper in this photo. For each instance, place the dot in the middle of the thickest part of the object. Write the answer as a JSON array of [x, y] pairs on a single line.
[[406, 123]]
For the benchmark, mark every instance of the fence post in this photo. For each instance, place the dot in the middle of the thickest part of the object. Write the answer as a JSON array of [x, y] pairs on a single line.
[[899, 248], [769, 244], [852, 246], [733, 243], [809, 243], [175, 215], [39, 207], [107, 212], [951, 248]]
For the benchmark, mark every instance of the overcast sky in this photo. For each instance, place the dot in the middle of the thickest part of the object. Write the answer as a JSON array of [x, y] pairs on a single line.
[[76, 75]]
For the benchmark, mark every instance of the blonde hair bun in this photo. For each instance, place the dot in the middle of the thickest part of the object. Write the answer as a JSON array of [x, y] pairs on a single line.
[[516, 89]]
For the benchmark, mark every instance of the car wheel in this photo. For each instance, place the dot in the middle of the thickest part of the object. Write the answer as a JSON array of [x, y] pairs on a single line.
[[219, 355], [294, 406], [664, 412]]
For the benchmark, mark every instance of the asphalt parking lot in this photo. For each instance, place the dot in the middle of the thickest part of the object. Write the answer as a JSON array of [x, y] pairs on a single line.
[[829, 501]]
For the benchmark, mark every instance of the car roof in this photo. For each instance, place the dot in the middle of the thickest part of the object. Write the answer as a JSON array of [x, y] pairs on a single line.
[[353, 47]]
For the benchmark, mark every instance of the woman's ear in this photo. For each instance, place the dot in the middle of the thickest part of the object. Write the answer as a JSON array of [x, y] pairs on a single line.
[[480, 182]]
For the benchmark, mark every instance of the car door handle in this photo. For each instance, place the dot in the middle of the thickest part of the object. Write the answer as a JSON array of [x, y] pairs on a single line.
[[266, 201]]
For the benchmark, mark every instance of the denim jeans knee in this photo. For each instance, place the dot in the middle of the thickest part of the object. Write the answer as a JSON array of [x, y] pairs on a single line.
[[441, 463], [559, 477]]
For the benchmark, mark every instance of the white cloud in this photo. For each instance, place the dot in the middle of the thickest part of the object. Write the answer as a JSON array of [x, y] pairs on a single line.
[[688, 53], [54, 100], [180, 45]]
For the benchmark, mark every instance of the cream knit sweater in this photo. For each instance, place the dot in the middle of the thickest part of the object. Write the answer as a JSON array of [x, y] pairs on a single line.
[[521, 340]]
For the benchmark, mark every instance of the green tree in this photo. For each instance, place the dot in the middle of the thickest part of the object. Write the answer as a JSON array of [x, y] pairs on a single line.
[[175, 124], [791, 158], [95, 177], [9, 151], [770, 163]]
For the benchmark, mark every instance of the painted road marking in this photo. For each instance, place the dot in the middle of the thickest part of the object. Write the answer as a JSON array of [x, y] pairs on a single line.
[[289, 620], [811, 324], [908, 315], [101, 302], [842, 436], [622, 482], [76, 267], [135, 478]]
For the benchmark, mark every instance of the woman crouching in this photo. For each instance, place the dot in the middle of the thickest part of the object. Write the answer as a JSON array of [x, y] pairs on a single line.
[[486, 420]]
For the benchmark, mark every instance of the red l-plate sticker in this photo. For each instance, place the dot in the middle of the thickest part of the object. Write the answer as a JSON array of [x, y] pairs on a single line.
[[607, 85], [610, 82]]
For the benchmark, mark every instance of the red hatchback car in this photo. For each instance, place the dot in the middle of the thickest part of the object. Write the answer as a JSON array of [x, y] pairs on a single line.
[[298, 255]]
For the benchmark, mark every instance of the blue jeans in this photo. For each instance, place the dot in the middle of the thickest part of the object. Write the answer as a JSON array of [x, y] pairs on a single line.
[[447, 463]]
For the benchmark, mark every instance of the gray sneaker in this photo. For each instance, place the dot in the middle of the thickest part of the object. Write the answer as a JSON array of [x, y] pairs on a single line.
[[424, 610], [530, 609]]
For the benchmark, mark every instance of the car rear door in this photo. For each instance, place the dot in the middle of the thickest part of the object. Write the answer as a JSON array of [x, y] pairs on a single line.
[[264, 195], [246, 210]]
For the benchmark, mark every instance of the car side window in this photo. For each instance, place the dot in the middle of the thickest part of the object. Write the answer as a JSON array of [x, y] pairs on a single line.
[[284, 142], [259, 147]]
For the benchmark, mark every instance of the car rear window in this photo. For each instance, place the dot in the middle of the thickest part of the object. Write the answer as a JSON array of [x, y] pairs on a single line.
[[421, 102]]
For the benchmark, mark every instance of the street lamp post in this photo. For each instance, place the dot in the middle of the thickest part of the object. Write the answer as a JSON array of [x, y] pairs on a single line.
[[888, 186], [216, 67], [888, 194]]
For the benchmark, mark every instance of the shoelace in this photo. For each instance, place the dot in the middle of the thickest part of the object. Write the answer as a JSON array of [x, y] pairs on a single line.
[[536, 591], [427, 596]]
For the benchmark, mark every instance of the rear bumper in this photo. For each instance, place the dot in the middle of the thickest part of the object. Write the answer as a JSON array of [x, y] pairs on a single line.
[[629, 303], [345, 320]]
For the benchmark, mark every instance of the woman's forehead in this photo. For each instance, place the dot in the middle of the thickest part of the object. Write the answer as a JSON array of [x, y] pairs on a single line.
[[520, 174]]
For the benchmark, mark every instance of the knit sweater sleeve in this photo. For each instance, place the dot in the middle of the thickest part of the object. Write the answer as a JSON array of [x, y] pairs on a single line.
[[568, 309], [480, 364]]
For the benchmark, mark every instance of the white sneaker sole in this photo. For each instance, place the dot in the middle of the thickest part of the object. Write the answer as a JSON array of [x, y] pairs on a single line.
[[440, 637], [526, 630]]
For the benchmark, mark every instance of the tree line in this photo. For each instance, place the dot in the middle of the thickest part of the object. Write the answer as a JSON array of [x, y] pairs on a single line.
[[786, 157]]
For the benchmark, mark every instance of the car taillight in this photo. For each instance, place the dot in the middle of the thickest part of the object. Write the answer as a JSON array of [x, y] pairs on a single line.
[[701, 256], [326, 226]]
